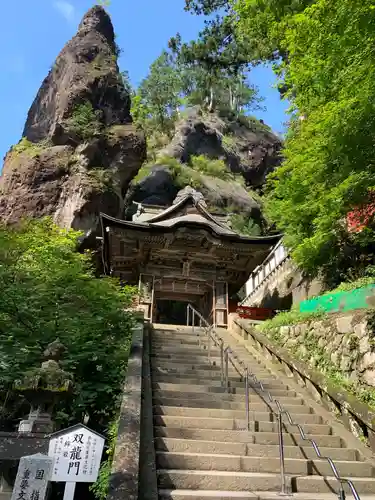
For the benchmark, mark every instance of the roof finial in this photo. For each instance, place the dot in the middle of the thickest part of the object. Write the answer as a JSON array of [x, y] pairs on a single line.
[[187, 192]]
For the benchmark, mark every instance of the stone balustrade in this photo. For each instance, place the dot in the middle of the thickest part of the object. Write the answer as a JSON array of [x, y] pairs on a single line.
[[265, 272]]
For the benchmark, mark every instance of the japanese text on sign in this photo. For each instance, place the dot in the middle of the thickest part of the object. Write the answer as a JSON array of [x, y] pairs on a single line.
[[33, 475], [77, 453]]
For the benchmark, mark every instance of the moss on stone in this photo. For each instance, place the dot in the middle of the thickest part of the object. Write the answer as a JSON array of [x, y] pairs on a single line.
[[307, 349], [99, 179], [31, 149], [85, 121]]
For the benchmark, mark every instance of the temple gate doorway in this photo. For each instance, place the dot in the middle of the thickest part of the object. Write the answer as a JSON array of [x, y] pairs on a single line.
[[171, 312]]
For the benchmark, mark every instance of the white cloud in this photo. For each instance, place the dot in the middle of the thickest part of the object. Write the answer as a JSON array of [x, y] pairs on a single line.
[[66, 9]]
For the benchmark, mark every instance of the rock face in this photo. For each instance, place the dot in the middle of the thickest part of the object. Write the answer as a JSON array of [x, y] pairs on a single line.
[[247, 145], [80, 149], [160, 188]]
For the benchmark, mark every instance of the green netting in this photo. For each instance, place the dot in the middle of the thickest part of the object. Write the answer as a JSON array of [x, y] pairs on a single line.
[[362, 298]]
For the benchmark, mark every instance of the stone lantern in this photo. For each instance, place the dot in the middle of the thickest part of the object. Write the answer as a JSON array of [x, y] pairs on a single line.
[[43, 388]]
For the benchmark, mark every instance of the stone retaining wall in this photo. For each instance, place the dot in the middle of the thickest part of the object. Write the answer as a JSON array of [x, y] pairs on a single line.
[[347, 340]]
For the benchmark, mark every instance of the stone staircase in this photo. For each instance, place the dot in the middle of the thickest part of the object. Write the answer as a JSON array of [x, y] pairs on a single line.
[[203, 448]]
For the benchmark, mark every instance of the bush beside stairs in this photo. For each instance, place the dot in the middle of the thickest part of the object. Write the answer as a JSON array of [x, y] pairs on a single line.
[[203, 448]]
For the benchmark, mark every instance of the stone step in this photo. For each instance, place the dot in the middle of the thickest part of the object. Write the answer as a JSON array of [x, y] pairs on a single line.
[[192, 342], [223, 397], [161, 327], [214, 382], [252, 481], [240, 436], [256, 404], [182, 388], [234, 424], [199, 495], [201, 357], [251, 450], [260, 370], [215, 372], [174, 330], [184, 340], [238, 463], [184, 411], [191, 373], [187, 351], [172, 364], [245, 495], [203, 370]]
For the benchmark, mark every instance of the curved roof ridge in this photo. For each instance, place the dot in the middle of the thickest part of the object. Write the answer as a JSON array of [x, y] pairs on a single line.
[[229, 234], [206, 213], [169, 210]]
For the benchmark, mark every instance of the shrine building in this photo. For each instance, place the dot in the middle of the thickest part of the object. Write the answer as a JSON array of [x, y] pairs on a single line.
[[181, 254]]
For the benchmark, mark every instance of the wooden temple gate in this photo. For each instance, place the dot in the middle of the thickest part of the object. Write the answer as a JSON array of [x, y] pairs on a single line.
[[182, 253]]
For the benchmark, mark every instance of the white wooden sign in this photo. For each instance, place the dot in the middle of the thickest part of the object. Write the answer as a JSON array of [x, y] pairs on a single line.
[[33, 475], [77, 452]]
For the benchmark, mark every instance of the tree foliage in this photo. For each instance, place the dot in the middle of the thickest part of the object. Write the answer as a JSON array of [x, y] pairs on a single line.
[[85, 121], [218, 45], [174, 83], [48, 290], [206, 7], [158, 96], [329, 77], [263, 24]]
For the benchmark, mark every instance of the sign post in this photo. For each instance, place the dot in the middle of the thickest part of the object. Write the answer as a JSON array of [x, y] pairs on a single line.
[[77, 452], [69, 491], [33, 475]]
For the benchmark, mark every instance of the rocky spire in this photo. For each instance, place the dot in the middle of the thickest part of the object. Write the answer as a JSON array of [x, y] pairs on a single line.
[[85, 71], [80, 150], [97, 19]]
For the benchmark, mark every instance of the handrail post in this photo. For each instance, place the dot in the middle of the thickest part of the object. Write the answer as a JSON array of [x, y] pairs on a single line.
[[226, 369], [187, 314], [247, 397], [193, 320], [281, 451], [222, 362], [209, 347]]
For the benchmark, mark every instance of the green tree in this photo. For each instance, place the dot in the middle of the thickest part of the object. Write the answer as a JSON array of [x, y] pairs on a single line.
[[216, 52], [263, 24], [329, 77], [218, 91], [125, 80], [206, 7], [160, 91], [49, 290]]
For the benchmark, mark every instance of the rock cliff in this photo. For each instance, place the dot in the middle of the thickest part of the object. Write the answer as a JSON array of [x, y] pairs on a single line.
[[247, 146], [79, 149]]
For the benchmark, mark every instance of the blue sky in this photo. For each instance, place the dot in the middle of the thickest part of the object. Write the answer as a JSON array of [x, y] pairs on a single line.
[[33, 33]]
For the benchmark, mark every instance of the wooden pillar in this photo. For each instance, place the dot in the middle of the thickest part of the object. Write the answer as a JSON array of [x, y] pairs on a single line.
[[220, 303], [146, 290]]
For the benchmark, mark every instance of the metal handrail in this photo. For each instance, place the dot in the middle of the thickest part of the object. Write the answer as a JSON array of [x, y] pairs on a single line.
[[225, 358]]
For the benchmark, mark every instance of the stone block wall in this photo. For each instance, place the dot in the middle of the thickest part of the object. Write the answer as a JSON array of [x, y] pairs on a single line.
[[345, 340]]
